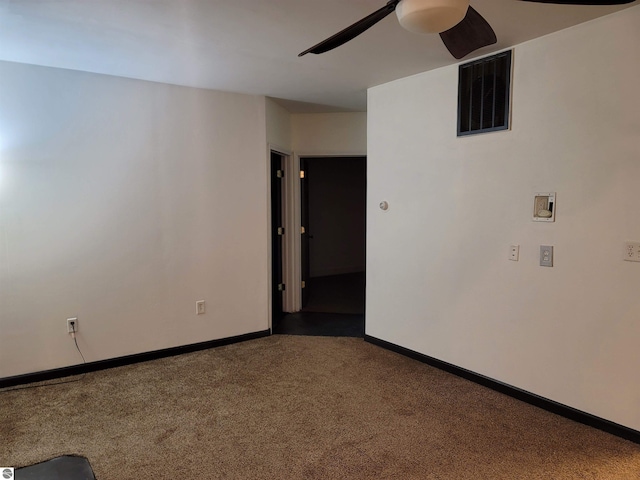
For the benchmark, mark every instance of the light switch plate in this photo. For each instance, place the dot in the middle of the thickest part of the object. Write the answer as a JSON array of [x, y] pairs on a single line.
[[546, 255], [200, 307]]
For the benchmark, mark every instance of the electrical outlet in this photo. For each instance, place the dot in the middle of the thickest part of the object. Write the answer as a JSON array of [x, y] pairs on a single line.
[[200, 307], [72, 325], [546, 255], [514, 253], [631, 252]]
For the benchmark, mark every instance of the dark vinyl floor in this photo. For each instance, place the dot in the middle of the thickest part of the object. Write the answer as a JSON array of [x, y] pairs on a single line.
[[334, 308], [320, 324]]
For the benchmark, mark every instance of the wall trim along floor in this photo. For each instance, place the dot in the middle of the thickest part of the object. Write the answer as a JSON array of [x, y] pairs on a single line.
[[528, 397], [126, 360]]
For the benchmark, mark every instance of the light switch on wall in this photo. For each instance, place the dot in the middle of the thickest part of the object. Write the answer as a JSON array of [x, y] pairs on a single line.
[[200, 307]]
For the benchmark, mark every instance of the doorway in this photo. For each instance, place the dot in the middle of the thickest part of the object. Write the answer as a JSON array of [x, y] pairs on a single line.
[[332, 248], [333, 206]]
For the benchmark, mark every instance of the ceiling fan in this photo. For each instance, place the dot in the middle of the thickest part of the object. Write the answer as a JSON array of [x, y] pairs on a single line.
[[461, 28]]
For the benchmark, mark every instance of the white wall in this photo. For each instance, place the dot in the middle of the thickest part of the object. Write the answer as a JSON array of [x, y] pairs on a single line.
[[438, 278], [329, 133], [278, 125], [123, 202]]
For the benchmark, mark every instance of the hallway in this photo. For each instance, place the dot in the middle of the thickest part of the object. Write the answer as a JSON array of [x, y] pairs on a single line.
[[334, 307]]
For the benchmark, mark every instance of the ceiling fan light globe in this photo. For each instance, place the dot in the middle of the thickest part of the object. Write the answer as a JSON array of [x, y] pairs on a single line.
[[431, 16]]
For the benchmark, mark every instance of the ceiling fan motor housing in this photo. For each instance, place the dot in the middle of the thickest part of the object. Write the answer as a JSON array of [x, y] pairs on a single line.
[[431, 16]]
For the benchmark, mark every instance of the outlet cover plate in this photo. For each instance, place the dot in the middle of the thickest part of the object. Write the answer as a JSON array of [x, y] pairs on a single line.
[[71, 329], [546, 255], [631, 252], [514, 253]]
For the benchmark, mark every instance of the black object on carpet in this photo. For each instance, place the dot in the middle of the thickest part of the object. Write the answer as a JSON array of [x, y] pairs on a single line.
[[61, 468]]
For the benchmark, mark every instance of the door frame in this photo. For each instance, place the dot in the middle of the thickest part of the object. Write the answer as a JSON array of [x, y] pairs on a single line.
[[293, 211], [277, 241], [292, 215], [287, 158]]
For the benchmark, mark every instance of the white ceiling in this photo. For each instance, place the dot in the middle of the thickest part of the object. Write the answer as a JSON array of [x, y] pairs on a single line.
[[251, 46]]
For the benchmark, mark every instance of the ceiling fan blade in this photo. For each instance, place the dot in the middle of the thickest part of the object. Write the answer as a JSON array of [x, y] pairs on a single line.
[[353, 31], [583, 2], [472, 33]]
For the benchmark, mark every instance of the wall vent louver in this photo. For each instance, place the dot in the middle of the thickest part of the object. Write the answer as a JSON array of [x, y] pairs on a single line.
[[484, 91]]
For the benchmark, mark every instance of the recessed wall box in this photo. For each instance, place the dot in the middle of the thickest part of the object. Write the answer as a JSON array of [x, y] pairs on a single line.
[[544, 207]]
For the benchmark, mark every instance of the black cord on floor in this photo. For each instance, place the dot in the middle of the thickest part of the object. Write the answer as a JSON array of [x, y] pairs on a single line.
[[61, 382]]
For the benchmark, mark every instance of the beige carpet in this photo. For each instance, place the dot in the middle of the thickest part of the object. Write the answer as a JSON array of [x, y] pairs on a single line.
[[295, 407]]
